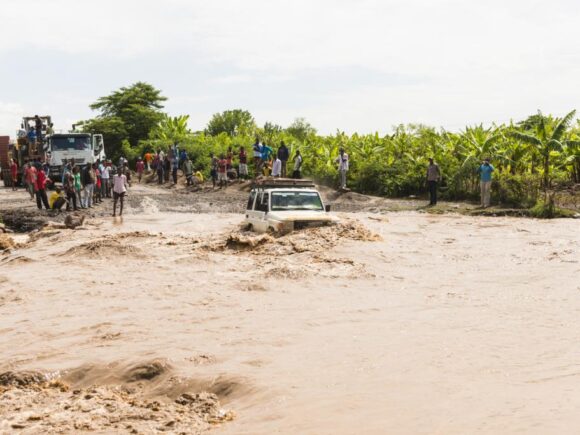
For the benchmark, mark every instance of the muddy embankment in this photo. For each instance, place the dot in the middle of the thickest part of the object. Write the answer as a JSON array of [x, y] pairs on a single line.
[[141, 398]]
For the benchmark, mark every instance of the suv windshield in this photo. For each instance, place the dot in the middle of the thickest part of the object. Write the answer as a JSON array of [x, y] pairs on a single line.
[[296, 201], [71, 143]]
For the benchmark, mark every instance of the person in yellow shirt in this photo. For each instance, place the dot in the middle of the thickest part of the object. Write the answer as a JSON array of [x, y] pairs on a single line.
[[56, 199]]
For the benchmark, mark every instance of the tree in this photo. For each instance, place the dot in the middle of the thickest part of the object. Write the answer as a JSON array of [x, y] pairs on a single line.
[[301, 129], [546, 137], [271, 130], [232, 122], [128, 113], [478, 142]]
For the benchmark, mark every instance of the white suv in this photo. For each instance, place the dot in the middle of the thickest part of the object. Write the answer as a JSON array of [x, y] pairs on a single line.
[[283, 205]]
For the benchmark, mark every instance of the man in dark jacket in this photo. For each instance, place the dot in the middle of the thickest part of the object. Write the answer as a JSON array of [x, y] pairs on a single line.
[[283, 155], [38, 128]]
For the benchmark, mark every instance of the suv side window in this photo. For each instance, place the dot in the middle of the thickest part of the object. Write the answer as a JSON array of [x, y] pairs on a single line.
[[263, 206], [251, 200]]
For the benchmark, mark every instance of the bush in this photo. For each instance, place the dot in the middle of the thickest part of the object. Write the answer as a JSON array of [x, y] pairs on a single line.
[[370, 177], [516, 190], [548, 210]]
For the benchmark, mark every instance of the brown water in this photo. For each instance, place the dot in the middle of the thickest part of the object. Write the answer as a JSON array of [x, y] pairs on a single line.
[[447, 324]]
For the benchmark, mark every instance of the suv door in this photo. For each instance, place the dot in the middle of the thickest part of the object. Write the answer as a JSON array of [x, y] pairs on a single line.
[[250, 214], [261, 208]]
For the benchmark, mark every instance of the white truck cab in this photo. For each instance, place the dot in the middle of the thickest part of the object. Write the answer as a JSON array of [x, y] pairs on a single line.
[[283, 205], [82, 148]]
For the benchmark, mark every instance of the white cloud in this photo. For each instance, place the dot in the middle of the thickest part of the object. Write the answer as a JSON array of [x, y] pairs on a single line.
[[474, 59], [10, 117], [233, 79]]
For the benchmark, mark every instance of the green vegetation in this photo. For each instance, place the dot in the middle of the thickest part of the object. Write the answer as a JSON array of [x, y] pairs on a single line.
[[128, 114], [535, 156]]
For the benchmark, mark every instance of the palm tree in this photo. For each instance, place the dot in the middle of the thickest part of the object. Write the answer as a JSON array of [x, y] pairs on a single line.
[[478, 142], [171, 129], [546, 140]]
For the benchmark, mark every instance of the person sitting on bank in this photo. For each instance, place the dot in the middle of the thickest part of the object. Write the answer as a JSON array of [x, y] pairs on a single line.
[[188, 171], [56, 199]]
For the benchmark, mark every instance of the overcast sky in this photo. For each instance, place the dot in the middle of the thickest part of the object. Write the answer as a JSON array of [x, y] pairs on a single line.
[[362, 65]]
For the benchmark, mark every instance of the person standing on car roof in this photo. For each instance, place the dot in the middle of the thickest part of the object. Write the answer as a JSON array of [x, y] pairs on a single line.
[[297, 166], [283, 154], [277, 167], [266, 155], [257, 147]]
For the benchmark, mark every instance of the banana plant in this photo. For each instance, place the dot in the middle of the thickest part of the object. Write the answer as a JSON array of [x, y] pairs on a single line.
[[547, 139]]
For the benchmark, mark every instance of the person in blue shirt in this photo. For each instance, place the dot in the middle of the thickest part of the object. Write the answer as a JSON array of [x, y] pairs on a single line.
[[257, 147], [31, 136], [66, 168], [266, 155], [485, 170], [182, 158]]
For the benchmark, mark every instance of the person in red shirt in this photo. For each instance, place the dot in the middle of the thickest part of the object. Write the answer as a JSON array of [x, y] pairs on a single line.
[[14, 173], [223, 171], [139, 167], [30, 179], [40, 190], [97, 192]]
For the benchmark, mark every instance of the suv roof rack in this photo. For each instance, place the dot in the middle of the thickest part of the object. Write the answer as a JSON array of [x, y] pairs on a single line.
[[265, 183]]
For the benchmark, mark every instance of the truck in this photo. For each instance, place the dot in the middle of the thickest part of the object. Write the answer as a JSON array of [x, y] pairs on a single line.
[[279, 206], [73, 147], [54, 148], [24, 148]]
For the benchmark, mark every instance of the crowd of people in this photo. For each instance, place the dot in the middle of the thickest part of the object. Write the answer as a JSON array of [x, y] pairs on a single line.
[[225, 167], [88, 185], [83, 186]]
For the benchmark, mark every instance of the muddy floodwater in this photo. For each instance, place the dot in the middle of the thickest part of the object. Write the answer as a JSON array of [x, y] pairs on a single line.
[[179, 322]]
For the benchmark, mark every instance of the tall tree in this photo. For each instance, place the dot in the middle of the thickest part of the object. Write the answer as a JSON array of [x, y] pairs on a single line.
[[301, 129], [129, 113], [232, 122]]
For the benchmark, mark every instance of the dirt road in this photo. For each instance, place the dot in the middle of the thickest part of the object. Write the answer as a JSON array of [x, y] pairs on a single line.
[[389, 323]]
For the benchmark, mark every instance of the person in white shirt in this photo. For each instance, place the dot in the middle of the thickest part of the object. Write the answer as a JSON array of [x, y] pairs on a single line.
[[277, 167], [104, 169], [119, 190], [297, 166], [342, 161]]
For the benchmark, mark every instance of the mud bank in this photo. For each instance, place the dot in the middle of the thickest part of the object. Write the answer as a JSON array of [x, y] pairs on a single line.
[[143, 398]]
